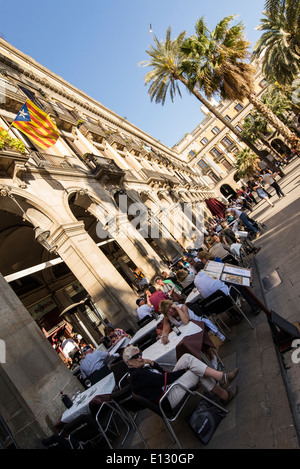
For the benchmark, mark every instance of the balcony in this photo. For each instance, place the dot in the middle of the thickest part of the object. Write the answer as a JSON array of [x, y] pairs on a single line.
[[63, 119], [117, 142], [12, 164], [133, 148], [11, 98], [92, 132], [104, 169]]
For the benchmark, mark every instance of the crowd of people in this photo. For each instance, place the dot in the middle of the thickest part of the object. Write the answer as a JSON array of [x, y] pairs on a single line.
[[166, 298]]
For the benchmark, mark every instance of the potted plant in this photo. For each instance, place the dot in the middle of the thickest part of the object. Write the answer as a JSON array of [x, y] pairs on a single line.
[[7, 142]]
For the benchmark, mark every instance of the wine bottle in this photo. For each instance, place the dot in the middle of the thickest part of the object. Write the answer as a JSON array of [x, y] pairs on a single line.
[[66, 400]]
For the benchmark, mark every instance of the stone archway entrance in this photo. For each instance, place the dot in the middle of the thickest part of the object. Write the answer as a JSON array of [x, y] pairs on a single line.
[[227, 191]]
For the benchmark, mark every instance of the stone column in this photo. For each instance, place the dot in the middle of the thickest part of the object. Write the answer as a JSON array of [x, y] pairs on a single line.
[[31, 376], [96, 274]]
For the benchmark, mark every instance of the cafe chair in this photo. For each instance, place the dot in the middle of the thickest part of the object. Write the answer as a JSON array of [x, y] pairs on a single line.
[[164, 410], [60, 442], [119, 369], [88, 432], [144, 321], [119, 405], [187, 290], [98, 375], [219, 303]]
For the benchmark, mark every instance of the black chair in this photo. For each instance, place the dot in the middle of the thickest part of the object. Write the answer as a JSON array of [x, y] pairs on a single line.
[[164, 410], [119, 405], [7, 440], [60, 442], [144, 321], [87, 432], [98, 375], [219, 303], [119, 369], [230, 259], [187, 290]]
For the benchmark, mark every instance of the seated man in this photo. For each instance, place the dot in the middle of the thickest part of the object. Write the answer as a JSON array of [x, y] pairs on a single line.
[[181, 314], [143, 309], [207, 285], [93, 360], [149, 380]]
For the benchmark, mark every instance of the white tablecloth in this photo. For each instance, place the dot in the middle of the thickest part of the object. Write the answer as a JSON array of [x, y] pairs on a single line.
[[166, 354], [143, 331], [193, 296], [81, 402]]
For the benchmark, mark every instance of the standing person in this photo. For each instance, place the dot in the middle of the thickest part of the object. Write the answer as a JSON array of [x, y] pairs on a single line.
[[244, 218], [257, 187], [268, 177]]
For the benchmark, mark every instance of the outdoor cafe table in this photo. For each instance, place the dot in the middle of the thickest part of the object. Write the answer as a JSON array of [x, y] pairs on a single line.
[[83, 402], [193, 339], [145, 330]]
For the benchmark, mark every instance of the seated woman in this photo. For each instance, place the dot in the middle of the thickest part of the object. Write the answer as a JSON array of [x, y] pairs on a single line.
[[206, 256], [184, 277], [149, 380], [115, 335], [181, 314]]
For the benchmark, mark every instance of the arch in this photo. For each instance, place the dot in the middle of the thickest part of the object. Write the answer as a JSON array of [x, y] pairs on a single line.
[[227, 191], [279, 146]]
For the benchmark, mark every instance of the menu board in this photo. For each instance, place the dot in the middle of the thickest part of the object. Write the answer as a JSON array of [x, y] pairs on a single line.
[[229, 273]]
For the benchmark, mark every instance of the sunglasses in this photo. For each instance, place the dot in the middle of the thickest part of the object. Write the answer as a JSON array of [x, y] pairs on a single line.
[[136, 356]]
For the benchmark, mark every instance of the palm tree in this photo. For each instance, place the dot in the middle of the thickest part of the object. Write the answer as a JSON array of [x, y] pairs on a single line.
[[279, 45], [216, 64], [247, 164], [169, 64]]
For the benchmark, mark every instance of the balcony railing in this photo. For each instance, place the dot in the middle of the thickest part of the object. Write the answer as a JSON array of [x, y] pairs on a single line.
[[94, 131], [104, 169]]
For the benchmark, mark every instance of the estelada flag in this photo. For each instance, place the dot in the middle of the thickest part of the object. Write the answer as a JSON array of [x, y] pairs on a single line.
[[37, 125]]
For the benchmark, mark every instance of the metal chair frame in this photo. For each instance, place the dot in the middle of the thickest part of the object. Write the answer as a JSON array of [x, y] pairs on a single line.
[[159, 409]]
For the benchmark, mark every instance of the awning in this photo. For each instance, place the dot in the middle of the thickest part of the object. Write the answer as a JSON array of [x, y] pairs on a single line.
[[216, 207]]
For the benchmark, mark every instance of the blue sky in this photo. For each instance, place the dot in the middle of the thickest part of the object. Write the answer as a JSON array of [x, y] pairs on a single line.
[[97, 45]]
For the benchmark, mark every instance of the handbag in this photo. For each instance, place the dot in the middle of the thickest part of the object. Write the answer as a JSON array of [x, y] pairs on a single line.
[[204, 420]]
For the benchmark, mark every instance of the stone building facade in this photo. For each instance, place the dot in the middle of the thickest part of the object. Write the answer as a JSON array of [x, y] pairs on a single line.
[[70, 231], [212, 146]]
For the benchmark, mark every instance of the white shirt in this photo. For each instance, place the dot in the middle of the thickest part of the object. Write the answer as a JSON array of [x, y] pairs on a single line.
[[206, 285], [67, 346], [268, 179], [235, 211], [143, 311]]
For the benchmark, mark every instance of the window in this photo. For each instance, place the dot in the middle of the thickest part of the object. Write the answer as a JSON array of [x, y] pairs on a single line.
[[228, 118], [226, 141], [192, 153], [215, 130], [203, 164], [238, 128], [204, 141], [215, 152], [30, 95], [213, 176], [263, 83], [238, 107]]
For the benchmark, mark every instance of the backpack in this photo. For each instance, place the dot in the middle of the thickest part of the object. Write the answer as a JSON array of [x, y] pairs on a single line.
[[204, 420]]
